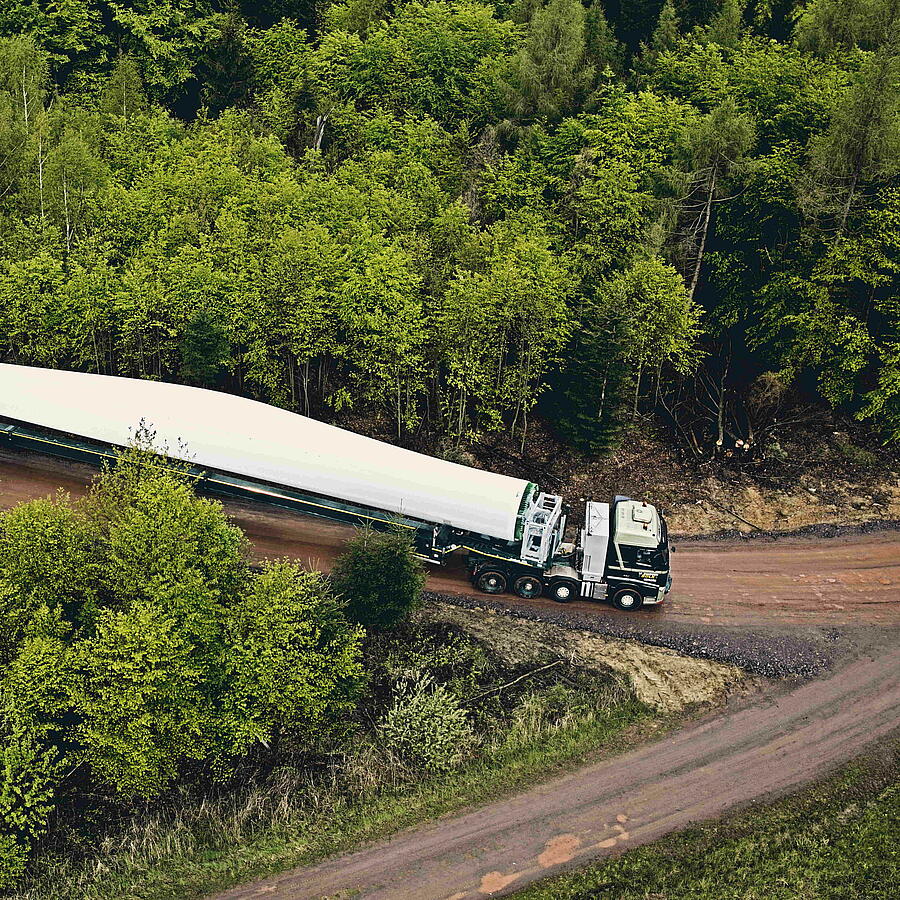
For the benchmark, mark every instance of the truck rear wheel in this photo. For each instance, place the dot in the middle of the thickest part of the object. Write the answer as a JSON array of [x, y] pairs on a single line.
[[628, 599], [563, 590], [528, 586], [491, 581]]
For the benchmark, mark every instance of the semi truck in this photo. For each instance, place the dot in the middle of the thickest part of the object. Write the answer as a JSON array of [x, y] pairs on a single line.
[[512, 533]]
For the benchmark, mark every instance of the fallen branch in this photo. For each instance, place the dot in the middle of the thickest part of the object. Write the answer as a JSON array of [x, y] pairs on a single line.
[[732, 513], [514, 681]]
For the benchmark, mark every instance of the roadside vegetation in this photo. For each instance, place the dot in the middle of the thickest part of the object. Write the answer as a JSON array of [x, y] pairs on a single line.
[[174, 720], [836, 839]]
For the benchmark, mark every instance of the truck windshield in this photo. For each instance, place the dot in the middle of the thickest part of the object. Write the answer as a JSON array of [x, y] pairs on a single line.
[[658, 558], [662, 552]]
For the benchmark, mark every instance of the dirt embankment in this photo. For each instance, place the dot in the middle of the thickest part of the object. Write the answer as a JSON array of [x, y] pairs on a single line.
[[818, 473], [748, 508], [662, 678]]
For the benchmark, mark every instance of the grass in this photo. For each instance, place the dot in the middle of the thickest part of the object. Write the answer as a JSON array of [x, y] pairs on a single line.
[[838, 839], [193, 846]]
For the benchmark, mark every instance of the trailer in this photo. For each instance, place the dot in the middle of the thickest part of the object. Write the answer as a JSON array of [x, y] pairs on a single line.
[[512, 533]]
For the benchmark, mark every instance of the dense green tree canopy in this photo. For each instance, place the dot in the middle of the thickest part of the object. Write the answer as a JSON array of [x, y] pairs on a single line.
[[405, 210]]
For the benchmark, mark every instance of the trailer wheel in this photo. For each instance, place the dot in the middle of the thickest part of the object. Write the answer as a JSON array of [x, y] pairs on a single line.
[[628, 599], [528, 586], [491, 581], [563, 590]]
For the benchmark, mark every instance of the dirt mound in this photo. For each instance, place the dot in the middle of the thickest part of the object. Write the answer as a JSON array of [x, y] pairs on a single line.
[[662, 678]]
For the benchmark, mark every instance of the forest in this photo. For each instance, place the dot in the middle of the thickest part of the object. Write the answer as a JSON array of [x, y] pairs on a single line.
[[451, 216]]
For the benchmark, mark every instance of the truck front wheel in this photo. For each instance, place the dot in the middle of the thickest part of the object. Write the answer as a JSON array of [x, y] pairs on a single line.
[[528, 586], [628, 599], [491, 581], [563, 590]]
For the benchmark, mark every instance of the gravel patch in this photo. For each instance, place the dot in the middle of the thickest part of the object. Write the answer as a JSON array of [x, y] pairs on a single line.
[[766, 654], [821, 530]]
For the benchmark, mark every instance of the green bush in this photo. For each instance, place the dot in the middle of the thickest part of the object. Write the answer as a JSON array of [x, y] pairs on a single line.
[[48, 556], [379, 577], [426, 728], [293, 659], [12, 861], [140, 698], [35, 687], [139, 642], [29, 774]]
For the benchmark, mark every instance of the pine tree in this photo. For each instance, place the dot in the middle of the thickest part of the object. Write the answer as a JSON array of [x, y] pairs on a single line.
[[603, 49], [725, 28], [668, 29], [552, 70], [123, 94]]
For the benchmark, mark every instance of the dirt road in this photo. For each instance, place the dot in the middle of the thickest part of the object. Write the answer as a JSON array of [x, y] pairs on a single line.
[[610, 806], [839, 581]]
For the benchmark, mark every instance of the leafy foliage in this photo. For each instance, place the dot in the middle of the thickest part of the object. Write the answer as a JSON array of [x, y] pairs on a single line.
[[379, 578], [141, 646], [138, 698], [408, 210], [291, 659], [434, 215]]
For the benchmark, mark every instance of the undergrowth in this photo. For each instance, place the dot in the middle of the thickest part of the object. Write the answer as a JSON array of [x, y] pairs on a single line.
[[444, 724]]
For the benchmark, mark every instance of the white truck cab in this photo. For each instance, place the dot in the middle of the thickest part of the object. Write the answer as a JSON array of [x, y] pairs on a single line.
[[621, 554]]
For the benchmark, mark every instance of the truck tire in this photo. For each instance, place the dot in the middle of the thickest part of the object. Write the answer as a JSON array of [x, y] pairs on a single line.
[[563, 590], [528, 586], [628, 599], [491, 581]]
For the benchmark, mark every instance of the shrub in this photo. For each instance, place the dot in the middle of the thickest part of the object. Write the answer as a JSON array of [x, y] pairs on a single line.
[[379, 577], [426, 728], [29, 773], [140, 649], [293, 659], [140, 699], [164, 544], [34, 688], [47, 557]]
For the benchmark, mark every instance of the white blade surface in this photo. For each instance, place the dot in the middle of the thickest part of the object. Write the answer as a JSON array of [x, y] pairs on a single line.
[[256, 440]]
